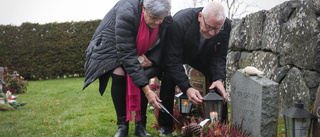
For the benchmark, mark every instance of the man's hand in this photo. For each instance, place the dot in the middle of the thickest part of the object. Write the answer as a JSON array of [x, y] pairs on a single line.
[[219, 85], [146, 63], [194, 96]]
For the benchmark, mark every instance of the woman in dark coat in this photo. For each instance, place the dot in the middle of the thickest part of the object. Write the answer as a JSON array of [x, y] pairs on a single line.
[[127, 46]]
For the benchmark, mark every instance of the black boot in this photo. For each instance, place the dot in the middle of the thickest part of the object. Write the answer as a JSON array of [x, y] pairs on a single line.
[[123, 127], [140, 129]]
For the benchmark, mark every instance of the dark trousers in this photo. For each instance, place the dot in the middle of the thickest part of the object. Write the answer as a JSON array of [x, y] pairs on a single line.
[[167, 92], [118, 93]]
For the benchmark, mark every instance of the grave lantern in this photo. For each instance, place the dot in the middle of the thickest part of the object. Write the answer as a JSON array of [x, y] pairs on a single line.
[[213, 105], [184, 105], [298, 121]]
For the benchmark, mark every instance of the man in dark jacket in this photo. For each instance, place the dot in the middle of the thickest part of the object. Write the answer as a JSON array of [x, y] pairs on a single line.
[[198, 37], [127, 46]]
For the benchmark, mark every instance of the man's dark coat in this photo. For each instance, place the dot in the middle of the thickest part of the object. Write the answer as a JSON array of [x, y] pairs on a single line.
[[114, 44], [182, 47]]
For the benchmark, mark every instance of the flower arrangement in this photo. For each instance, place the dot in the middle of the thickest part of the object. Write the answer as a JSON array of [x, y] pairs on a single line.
[[6, 102], [16, 84]]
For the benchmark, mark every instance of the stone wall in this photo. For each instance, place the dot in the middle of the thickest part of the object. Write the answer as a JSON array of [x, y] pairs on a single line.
[[284, 43]]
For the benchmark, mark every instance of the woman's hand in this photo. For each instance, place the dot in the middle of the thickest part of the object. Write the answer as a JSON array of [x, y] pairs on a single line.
[[146, 63], [152, 97]]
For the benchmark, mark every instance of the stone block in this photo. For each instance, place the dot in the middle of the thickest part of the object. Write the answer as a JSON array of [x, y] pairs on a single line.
[[279, 73], [272, 29], [264, 61], [312, 78], [292, 88], [254, 27], [254, 104], [232, 66], [237, 35], [316, 6], [299, 39]]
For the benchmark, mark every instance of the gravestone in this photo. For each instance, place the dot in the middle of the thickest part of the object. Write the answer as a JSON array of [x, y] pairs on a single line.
[[316, 112], [1, 72], [254, 104], [197, 81]]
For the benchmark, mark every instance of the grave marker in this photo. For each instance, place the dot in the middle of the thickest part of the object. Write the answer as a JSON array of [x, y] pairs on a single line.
[[254, 104]]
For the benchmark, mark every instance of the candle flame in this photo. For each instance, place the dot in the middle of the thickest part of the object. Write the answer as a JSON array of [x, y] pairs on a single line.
[[185, 103], [213, 113]]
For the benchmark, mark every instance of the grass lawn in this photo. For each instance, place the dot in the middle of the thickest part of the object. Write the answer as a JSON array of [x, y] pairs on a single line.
[[59, 107]]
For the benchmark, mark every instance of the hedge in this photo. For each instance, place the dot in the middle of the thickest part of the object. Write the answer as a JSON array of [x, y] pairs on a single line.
[[46, 51]]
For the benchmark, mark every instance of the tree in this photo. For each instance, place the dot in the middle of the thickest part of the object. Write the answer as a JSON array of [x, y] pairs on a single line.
[[235, 8], [195, 3]]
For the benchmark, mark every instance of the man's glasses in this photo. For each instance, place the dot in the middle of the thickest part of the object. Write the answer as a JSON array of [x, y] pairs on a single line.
[[208, 27]]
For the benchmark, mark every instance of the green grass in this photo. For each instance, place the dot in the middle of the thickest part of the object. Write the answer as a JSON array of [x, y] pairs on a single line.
[[59, 107], [281, 130]]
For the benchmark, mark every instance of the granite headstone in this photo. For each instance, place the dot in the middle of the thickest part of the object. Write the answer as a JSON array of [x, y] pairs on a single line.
[[254, 104]]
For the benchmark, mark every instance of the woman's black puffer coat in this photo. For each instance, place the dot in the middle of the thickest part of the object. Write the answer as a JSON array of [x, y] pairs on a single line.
[[114, 44]]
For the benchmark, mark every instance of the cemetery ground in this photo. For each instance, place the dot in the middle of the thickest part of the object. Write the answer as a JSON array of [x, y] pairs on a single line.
[[59, 107]]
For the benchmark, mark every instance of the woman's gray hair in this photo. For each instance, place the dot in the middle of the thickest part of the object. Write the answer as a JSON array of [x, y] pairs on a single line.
[[216, 9], [158, 8]]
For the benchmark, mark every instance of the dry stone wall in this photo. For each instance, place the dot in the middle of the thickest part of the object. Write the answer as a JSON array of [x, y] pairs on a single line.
[[284, 43]]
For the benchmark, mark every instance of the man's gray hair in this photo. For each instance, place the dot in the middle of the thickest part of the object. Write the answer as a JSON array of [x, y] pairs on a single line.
[[158, 8], [216, 9]]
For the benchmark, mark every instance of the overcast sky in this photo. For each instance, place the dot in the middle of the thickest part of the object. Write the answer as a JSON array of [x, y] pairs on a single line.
[[15, 12]]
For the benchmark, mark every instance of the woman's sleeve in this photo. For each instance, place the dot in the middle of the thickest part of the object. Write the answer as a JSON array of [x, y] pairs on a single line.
[[126, 46]]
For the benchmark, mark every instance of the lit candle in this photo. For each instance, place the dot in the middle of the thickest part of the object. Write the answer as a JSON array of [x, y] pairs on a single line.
[[213, 116], [185, 103], [185, 107], [152, 81]]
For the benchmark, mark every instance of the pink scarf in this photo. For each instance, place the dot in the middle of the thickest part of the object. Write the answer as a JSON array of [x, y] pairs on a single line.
[[144, 41]]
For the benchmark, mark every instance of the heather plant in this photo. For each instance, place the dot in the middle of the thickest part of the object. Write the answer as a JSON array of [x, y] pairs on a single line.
[[219, 129], [189, 126], [155, 87], [176, 114]]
